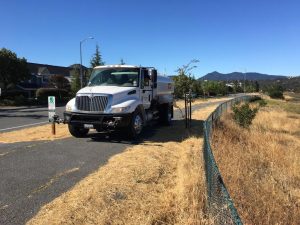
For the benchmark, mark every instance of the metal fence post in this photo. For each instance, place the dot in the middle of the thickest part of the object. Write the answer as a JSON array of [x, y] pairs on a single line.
[[185, 108]]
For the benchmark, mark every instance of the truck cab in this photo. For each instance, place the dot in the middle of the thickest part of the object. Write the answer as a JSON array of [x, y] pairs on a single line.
[[122, 97]]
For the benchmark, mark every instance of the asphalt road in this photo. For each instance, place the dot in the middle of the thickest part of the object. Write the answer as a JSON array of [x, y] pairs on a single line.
[[15, 118], [34, 173]]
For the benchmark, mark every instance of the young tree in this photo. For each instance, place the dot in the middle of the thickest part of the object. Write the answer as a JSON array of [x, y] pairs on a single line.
[[96, 58], [256, 86], [12, 69], [187, 69], [182, 85], [184, 81]]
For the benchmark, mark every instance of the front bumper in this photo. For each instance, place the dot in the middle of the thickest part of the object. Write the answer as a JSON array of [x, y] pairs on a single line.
[[99, 121]]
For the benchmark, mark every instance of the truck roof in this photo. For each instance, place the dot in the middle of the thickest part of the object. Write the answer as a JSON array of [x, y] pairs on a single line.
[[124, 66]]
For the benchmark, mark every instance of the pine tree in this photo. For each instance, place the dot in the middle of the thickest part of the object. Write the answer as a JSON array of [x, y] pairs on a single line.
[[97, 58], [122, 62], [256, 86]]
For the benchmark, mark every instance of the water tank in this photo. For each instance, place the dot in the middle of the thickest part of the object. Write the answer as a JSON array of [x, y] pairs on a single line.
[[165, 85]]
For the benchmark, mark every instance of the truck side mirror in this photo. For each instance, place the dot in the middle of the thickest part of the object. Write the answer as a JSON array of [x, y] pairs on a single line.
[[144, 74], [153, 77]]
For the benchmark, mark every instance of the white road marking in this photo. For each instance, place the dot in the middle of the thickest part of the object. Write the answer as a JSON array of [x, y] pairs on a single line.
[[27, 125]]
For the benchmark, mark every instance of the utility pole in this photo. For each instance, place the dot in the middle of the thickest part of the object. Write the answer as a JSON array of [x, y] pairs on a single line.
[[245, 81]]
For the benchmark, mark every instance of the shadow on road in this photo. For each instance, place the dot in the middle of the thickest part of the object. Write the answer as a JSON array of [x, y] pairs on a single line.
[[154, 133], [35, 116], [34, 108]]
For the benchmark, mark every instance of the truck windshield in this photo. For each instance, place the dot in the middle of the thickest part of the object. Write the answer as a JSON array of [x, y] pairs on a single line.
[[125, 77]]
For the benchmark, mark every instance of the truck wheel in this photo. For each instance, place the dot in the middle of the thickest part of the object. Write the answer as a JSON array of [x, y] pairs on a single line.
[[136, 125], [166, 114], [77, 131]]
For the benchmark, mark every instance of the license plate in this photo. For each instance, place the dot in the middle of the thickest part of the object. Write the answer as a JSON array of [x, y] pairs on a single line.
[[88, 126]]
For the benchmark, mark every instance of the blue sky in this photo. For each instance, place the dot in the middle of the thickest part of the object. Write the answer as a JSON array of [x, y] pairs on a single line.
[[225, 35]]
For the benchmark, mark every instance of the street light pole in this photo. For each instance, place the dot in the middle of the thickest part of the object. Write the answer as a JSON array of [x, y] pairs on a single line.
[[80, 65], [81, 74]]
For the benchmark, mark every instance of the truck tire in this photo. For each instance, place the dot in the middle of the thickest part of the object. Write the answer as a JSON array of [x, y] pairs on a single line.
[[166, 114], [136, 124], [77, 131]]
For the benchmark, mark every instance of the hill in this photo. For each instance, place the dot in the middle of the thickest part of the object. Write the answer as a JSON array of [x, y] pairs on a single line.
[[240, 76]]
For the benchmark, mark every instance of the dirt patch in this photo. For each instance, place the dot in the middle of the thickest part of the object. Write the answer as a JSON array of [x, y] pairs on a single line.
[[156, 182], [39, 133]]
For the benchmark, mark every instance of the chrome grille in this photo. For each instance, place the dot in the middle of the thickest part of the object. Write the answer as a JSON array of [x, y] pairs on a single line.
[[91, 104]]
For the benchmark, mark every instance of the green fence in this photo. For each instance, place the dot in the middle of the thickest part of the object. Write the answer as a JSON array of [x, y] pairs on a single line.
[[220, 206]]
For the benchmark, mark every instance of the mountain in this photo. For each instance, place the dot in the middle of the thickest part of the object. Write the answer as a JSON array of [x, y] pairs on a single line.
[[240, 76]]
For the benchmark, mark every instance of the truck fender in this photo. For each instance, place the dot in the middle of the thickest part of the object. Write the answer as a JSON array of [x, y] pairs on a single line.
[[135, 105], [71, 105], [142, 110], [165, 99]]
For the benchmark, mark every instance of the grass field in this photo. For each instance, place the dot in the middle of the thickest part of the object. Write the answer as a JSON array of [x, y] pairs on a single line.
[[260, 166]]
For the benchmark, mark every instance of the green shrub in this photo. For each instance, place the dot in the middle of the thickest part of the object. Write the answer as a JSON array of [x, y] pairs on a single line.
[[243, 114], [262, 103], [12, 94], [276, 92], [255, 98], [43, 93], [20, 100], [5, 102]]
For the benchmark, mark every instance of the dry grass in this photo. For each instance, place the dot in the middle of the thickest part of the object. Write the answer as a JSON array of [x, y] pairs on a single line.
[[292, 96], [180, 103], [202, 114], [156, 182], [261, 166], [160, 181], [38, 133]]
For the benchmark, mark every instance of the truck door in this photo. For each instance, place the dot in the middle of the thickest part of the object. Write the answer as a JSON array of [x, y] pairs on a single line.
[[146, 90]]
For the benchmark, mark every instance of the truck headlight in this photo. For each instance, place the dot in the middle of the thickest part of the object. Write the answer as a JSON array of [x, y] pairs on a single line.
[[68, 108], [120, 109]]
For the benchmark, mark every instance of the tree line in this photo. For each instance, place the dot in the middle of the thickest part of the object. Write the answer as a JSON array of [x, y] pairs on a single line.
[[14, 70], [186, 81]]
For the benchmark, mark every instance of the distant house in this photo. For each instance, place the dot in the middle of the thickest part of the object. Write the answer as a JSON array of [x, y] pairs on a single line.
[[233, 84], [230, 85], [40, 74]]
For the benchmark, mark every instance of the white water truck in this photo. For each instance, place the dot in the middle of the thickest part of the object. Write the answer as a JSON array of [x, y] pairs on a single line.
[[120, 97]]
